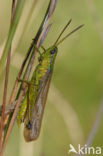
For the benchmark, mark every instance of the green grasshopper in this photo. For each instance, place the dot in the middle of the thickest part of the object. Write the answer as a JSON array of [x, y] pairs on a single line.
[[33, 104]]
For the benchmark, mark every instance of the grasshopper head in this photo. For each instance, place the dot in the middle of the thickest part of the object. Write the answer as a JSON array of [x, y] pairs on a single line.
[[51, 52]]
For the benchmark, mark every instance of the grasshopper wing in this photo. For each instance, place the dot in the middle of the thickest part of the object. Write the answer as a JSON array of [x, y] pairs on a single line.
[[32, 130]]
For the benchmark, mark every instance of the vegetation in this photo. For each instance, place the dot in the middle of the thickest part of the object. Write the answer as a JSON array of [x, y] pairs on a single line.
[[76, 91]]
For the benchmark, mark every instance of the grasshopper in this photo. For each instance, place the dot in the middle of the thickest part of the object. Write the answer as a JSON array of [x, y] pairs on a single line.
[[33, 104]]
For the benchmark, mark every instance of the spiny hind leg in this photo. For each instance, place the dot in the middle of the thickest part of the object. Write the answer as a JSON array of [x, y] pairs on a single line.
[[25, 107], [28, 102], [22, 111]]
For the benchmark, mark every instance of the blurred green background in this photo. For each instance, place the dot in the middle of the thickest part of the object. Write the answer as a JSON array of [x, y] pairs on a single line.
[[77, 84]]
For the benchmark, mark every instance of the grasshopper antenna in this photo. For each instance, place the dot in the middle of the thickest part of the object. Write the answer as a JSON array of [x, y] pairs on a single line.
[[69, 34], [63, 31]]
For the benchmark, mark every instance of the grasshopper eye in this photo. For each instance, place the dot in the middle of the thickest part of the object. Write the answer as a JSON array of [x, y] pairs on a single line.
[[53, 51]]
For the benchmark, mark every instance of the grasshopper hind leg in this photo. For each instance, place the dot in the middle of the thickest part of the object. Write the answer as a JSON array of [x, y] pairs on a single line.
[[24, 105], [22, 112]]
